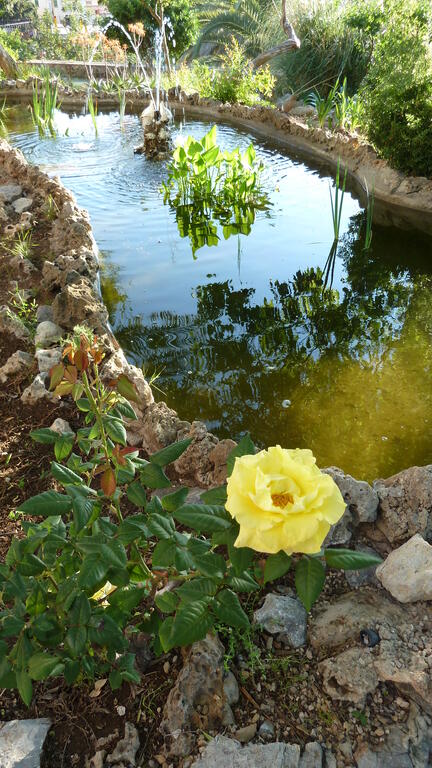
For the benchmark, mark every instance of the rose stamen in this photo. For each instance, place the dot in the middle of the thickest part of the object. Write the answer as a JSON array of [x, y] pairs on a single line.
[[282, 499]]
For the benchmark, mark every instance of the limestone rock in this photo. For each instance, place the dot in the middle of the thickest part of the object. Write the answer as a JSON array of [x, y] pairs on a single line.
[[199, 683], [48, 334], [285, 617], [47, 358], [116, 365], [408, 745], [161, 426], [11, 324], [231, 689], [407, 571], [349, 614], [405, 504], [17, 363], [362, 505], [204, 461], [78, 304], [407, 669], [62, 427], [312, 756], [125, 751], [349, 676], [246, 734], [228, 753], [10, 192], [44, 312], [21, 742], [22, 204], [36, 391]]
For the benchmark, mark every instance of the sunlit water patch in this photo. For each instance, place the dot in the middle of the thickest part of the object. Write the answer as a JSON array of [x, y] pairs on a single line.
[[243, 336]]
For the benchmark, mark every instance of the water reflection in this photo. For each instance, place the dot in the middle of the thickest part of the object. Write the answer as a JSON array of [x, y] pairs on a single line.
[[345, 371]]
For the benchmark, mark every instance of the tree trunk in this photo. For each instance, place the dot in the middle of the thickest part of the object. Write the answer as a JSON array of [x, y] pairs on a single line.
[[292, 44], [7, 63]]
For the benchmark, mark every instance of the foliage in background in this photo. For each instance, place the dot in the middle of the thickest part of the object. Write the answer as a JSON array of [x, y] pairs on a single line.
[[181, 14], [234, 80], [17, 10], [85, 579], [397, 92]]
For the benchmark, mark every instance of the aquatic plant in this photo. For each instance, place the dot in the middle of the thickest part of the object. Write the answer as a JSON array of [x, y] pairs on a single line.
[[336, 201], [207, 186], [44, 104], [81, 582], [93, 110], [369, 217], [324, 104]]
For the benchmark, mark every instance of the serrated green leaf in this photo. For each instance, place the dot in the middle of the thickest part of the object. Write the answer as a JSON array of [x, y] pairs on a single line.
[[167, 602], [165, 630], [170, 453], [211, 564], [203, 518], [350, 560], [197, 588], [228, 609], [63, 446], [153, 476], [83, 404], [309, 580], [244, 448], [164, 553], [276, 566], [45, 436], [161, 526], [64, 475], [125, 409], [215, 496], [191, 623], [42, 665], [136, 493], [46, 504], [71, 671], [115, 429], [173, 501], [127, 598], [25, 686], [82, 510], [92, 574], [242, 582], [75, 640], [133, 528]]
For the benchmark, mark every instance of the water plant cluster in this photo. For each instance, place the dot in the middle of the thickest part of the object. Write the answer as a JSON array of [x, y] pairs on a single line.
[[81, 583], [44, 104], [207, 187]]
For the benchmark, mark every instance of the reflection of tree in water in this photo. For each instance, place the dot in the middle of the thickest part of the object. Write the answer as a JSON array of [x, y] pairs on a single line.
[[355, 364]]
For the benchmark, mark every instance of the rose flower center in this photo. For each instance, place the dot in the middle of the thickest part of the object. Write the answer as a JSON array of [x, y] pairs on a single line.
[[282, 499]]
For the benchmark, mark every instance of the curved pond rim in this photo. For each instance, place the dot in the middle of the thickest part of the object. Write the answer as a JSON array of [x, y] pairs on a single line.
[[388, 211]]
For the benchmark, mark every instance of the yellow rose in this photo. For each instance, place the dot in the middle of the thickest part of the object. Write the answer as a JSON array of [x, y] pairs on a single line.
[[282, 501]]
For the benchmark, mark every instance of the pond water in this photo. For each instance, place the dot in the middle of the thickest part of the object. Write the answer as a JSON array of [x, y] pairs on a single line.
[[243, 335]]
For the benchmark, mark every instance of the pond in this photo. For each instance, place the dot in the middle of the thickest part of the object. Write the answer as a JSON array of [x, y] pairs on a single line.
[[243, 335]]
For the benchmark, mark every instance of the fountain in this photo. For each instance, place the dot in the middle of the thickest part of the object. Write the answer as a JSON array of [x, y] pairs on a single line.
[[156, 116]]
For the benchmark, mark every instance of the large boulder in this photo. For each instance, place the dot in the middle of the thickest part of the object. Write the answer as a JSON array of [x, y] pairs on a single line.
[[405, 504], [362, 506], [21, 742], [78, 304]]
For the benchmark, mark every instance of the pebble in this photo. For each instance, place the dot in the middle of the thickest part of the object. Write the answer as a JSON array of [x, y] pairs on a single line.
[[246, 734], [266, 730]]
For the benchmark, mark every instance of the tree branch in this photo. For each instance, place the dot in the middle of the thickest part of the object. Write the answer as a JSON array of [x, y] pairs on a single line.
[[292, 44]]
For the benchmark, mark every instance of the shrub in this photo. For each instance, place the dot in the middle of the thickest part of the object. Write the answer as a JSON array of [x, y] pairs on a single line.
[[397, 92], [82, 581], [235, 81]]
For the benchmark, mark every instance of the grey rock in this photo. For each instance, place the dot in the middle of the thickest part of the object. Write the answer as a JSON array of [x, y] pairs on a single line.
[[228, 753], [17, 363], [21, 742], [48, 334], [62, 427], [125, 751], [10, 192], [266, 730], [11, 324], [44, 312], [349, 676], [405, 504], [246, 734], [407, 571], [47, 358], [231, 689], [116, 365], [285, 617], [329, 759], [312, 756], [36, 391], [362, 506], [364, 576], [199, 683], [22, 204], [408, 745]]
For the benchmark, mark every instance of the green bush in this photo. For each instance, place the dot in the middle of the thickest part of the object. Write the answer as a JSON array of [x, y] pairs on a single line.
[[397, 92], [181, 14], [235, 81]]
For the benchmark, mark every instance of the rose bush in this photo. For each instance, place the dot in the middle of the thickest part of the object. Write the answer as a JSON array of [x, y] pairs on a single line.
[[282, 501]]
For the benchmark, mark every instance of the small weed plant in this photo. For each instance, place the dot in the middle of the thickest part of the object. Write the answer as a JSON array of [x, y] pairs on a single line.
[[22, 246], [88, 576], [235, 80], [25, 309]]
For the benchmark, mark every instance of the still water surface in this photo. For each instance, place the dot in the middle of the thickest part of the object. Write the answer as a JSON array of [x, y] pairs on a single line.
[[244, 336]]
